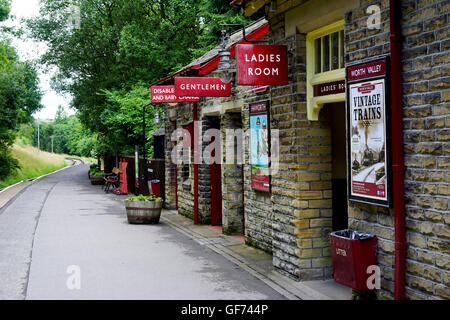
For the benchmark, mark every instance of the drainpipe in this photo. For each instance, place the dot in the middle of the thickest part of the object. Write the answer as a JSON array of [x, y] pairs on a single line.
[[194, 111], [398, 166]]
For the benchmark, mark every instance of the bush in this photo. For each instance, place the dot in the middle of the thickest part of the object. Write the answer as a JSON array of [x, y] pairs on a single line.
[[95, 172], [144, 198], [8, 165]]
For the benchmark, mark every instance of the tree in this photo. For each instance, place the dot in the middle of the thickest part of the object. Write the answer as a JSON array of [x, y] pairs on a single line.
[[122, 120], [120, 44], [5, 6], [20, 96]]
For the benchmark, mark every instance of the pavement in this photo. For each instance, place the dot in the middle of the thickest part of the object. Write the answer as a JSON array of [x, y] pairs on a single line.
[[62, 238], [256, 262]]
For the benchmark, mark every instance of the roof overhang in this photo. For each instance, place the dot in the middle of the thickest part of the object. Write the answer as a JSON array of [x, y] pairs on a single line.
[[204, 66]]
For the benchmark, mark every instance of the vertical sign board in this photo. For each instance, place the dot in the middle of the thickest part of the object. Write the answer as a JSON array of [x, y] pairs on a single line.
[[262, 64], [259, 145], [368, 123]]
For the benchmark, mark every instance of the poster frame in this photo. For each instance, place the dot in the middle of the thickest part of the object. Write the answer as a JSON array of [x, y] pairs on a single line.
[[388, 203], [267, 113]]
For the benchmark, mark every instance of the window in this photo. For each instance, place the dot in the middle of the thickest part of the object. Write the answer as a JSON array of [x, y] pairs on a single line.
[[324, 64], [329, 52]]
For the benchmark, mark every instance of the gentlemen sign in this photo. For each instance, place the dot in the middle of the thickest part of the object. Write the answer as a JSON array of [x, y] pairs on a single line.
[[262, 64], [368, 134], [162, 94], [201, 87]]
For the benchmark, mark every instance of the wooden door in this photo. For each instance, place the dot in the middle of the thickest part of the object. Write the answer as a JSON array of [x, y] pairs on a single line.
[[216, 194], [216, 190]]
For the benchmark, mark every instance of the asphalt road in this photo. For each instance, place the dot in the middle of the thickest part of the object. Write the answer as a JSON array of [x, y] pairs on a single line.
[[63, 238]]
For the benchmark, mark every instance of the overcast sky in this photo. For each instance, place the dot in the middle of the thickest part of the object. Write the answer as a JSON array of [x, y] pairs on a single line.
[[31, 50]]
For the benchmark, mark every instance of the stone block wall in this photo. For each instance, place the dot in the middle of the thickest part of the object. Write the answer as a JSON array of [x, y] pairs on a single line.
[[170, 126], [257, 204], [232, 189], [426, 144], [362, 44], [301, 191], [426, 77], [204, 178]]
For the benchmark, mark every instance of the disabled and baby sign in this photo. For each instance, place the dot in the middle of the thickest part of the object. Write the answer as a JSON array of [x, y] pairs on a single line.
[[161, 94], [368, 134]]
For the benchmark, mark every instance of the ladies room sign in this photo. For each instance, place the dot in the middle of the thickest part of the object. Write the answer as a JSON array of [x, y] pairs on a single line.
[[262, 64], [369, 168]]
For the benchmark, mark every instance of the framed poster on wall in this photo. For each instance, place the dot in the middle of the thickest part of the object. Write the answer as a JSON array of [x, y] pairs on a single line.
[[259, 145], [368, 127]]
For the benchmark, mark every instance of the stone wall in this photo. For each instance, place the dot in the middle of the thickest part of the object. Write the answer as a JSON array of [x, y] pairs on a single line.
[[426, 76], [170, 126], [257, 204], [232, 190], [301, 191], [425, 103], [362, 44]]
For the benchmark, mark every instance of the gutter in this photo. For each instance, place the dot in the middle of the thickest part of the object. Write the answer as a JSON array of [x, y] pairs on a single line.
[[398, 167]]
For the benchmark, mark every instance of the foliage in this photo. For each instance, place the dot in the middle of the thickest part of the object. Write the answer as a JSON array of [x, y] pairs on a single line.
[[20, 96], [144, 198], [122, 120], [5, 6], [31, 164], [69, 136], [119, 47], [95, 172]]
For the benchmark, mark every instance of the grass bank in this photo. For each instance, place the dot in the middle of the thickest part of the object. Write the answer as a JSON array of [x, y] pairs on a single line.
[[32, 163]]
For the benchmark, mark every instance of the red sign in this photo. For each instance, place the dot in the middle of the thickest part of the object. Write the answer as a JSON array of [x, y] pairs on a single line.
[[325, 89], [258, 107], [258, 89], [262, 64], [162, 94], [201, 87], [368, 70]]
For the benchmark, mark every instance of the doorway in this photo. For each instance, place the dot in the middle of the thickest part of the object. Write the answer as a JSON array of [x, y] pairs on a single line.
[[216, 179], [337, 116]]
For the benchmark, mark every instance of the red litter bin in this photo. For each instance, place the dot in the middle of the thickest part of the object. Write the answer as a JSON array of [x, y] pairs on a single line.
[[155, 188], [352, 253]]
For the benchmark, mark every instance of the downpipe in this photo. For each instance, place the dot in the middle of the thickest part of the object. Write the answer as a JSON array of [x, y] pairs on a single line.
[[196, 150], [398, 167]]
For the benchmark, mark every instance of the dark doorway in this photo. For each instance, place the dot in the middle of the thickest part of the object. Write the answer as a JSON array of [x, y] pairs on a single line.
[[339, 165], [216, 180]]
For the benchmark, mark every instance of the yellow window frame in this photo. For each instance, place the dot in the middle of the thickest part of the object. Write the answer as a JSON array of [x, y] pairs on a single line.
[[315, 104]]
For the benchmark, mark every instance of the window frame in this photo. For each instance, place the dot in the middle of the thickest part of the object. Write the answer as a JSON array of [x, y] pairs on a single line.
[[315, 104]]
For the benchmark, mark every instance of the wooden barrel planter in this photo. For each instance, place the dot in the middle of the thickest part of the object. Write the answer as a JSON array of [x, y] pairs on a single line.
[[143, 212], [97, 180]]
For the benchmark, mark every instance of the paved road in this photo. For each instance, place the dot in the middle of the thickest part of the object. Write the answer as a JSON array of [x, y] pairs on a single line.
[[61, 225]]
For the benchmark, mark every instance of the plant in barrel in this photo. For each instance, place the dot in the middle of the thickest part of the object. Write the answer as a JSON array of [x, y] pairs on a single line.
[[143, 209]]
